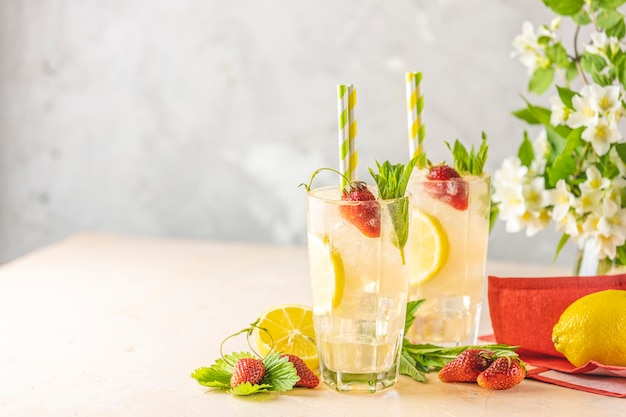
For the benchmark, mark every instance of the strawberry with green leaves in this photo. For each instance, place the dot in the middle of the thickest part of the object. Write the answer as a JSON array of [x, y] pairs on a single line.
[[245, 373], [503, 373], [467, 366], [307, 378], [250, 370]]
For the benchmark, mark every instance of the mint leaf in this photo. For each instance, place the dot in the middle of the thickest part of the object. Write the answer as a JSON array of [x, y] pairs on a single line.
[[280, 374], [411, 309], [408, 367], [471, 162], [392, 181]]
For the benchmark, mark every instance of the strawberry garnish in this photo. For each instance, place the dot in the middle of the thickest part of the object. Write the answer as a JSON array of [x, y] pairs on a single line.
[[249, 370], [365, 216], [307, 378], [504, 373], [467, 366], [446, 184]]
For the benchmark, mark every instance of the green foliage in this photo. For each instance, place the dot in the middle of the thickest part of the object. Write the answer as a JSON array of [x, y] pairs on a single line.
[[597, 56], [565, 7], [541, 80], [526, 153]]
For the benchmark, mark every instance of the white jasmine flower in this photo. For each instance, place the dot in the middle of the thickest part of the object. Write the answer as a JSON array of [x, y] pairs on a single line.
[[601, 136], [606, 246], [613, 221], [533, 193], [531, 54], [611, 227], [510, 202], [598, 43], [570, 225], [532, 222], [594, 181], [607, 98], [586, 110], [561, 200], [510, 174], [560, 112], [590, 201], [601, 44], [555, 23]]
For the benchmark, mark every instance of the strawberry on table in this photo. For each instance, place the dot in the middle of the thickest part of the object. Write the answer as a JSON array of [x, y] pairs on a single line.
[[365, 216], [448, 186], [467, 366], [249, 370], [307, 378], [504, 373]]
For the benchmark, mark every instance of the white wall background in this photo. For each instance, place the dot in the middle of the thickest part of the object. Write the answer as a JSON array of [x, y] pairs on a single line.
[[199, 118]]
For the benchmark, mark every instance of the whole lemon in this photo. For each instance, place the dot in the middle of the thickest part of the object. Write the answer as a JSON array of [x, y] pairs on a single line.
[[593, 328]]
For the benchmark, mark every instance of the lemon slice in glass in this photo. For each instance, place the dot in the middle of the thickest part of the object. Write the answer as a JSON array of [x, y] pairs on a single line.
[[430, 247], [339, 274], [291, 330], [329, 271]]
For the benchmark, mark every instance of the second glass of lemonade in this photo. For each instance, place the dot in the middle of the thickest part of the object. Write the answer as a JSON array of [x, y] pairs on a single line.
[[360, 285], [449, 234]]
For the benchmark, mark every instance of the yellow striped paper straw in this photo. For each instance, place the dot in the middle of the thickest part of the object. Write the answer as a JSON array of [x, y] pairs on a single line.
[[414, 104], [346, 96]]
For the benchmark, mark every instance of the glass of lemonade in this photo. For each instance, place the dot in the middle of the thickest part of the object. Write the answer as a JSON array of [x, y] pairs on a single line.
[[360, 287], [448, 237]]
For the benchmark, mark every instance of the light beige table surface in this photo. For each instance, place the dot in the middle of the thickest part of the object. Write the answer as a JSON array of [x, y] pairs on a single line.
[[110, 325]]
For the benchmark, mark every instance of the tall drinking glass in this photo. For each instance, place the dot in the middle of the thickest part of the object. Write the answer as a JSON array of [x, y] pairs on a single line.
[[449, 234], [360, 288]]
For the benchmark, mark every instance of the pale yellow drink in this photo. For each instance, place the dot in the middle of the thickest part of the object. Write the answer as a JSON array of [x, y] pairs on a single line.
[[448, 258], [359, 288]]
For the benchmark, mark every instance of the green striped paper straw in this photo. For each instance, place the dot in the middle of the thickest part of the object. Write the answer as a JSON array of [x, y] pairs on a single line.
[[414, 104], [348, 155]]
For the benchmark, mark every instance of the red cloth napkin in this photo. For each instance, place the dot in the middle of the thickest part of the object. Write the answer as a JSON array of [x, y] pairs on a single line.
[[524, 311]]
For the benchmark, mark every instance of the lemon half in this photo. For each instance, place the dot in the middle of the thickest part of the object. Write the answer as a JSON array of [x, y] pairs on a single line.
[[430, 247], [291, 330]]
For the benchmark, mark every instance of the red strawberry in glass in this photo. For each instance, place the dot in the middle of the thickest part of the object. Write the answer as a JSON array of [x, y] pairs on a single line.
[[447, 185]]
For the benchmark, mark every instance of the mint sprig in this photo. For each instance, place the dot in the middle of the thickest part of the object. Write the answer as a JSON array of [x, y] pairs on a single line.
[[280, 374], [392, 181], [469, 162], [416, 360]]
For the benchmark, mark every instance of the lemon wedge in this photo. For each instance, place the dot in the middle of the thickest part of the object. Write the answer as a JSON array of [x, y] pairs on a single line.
[[291, 330], [430, 247], [329, 271], [339, 275]]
